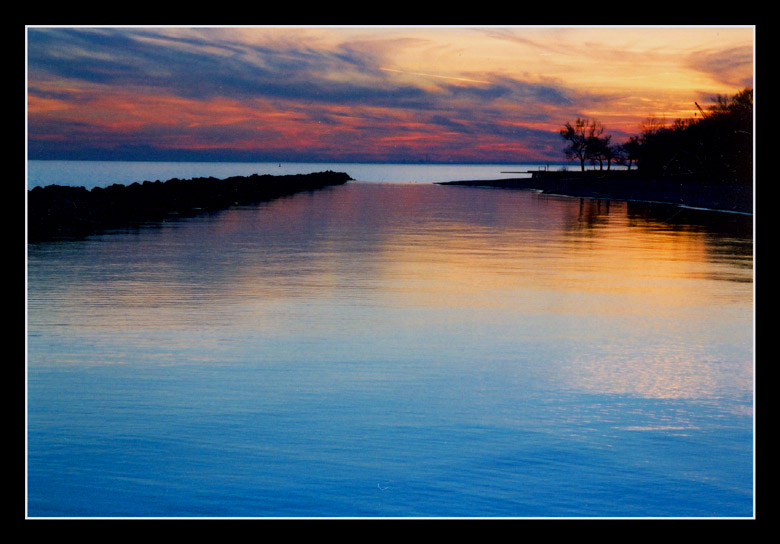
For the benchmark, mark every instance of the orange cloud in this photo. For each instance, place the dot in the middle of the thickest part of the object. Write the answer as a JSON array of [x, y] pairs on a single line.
[[347, 91]]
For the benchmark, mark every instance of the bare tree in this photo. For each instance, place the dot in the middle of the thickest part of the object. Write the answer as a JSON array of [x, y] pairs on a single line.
[[584, 140], [628, 152], [601, 150], [650, 127]]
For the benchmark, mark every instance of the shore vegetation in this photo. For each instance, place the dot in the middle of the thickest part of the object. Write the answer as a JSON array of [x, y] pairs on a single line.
[[715, 146]]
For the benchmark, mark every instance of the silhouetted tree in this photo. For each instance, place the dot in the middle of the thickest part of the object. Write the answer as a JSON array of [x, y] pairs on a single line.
[[628, 152], [601, 150], [582, 138], [714, 146], [577, 139], [650, 127]]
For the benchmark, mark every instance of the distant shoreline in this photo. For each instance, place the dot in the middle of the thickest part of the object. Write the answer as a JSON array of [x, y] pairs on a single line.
[[57, 211], [629, 186]]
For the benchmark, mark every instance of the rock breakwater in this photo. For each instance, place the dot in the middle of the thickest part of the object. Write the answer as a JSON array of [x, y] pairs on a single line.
[[56, 211]]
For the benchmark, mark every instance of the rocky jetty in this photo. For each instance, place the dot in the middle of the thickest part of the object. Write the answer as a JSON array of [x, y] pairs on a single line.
[[57, 211]]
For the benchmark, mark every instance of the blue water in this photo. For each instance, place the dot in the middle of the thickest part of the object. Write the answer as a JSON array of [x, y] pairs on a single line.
[[91, 174], [395, 350]]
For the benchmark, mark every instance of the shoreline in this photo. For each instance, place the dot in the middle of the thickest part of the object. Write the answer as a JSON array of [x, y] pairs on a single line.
[[57, 211], [627, 186]]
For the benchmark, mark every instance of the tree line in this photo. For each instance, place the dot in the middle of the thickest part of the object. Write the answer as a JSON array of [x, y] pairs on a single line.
[[716, 144]]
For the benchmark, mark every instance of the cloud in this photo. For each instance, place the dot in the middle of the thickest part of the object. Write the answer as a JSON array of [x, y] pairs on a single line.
[[732, 67], [208, 65], [346, 92], [197, 67], [517, 91]]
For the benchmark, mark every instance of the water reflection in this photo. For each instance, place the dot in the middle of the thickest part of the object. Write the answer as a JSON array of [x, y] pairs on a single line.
[[488, 352], [606, 296]]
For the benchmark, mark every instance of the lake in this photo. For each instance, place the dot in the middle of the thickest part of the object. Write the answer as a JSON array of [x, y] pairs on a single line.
[[91, 174], [396, 350]]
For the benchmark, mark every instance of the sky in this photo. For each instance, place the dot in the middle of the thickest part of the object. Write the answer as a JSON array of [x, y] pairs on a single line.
[[471, 94]]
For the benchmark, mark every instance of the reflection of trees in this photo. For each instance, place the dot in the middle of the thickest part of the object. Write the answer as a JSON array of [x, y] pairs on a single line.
[[725, 235], [593, 212], [673, 217]]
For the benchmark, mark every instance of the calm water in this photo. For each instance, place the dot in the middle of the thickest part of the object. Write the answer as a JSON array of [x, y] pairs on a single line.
[[396, 350], [91, 174]]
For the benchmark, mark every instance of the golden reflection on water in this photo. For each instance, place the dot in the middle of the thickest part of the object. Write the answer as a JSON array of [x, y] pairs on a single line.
[[622, 301], [613, 257]]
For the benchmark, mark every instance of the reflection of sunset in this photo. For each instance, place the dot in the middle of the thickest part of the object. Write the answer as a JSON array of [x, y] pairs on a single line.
[[626, 301], [502, 351], [649, 264], [660, 374], [628, 298]]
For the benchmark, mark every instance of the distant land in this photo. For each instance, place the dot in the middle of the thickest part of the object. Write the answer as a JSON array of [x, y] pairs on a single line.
[[628, 185], [57, 211]]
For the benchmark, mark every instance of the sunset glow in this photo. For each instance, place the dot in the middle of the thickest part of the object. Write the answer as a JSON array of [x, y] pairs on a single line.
[[470, 94]]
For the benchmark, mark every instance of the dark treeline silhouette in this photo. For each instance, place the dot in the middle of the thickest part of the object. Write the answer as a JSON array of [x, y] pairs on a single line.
[[705, 162], [57, 211], [716, 146]]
